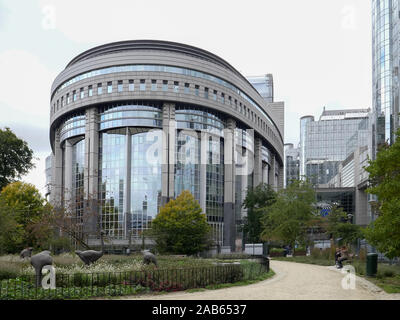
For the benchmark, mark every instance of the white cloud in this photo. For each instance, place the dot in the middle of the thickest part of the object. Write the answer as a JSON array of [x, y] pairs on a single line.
[[25, 88]]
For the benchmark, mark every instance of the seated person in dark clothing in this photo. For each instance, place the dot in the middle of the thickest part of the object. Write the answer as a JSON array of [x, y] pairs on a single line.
[[343, 256]]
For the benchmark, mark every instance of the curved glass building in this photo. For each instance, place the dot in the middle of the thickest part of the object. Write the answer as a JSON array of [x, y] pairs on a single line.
[[135, 123]]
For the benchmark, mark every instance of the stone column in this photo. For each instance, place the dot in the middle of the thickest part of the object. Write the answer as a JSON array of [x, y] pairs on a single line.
[[271, 177], [229, 185], [265, 173], [91, 173], [281, 177], [127, 186], [168, 153], [56, 175], [68, 171], [258, 167]]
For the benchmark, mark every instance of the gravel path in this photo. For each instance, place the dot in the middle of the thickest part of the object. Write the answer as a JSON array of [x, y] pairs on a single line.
[[293, 281]]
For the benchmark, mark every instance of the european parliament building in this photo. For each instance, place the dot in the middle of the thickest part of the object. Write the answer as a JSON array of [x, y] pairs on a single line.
[[134, 123]]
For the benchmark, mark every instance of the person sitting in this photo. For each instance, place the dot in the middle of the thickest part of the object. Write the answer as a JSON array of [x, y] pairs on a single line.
[[343, 256], [337, 256]]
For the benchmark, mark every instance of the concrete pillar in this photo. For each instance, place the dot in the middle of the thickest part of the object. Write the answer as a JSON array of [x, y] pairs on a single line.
[[271, 177], [203, 169], [127, 186], [91, 154], [57, 171], [258, 166], [91, 171], [68, 172], [265, 172], [168, 153], [229, 185], [281, 177]]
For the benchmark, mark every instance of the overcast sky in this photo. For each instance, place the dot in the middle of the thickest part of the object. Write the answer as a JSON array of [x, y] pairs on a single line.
[[319, 51]]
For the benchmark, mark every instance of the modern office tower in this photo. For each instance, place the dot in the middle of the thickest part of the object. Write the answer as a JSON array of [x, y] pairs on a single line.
[[48, 170], [292, 164], [385, 70], [324, 144], [135, 123], [264, 85]]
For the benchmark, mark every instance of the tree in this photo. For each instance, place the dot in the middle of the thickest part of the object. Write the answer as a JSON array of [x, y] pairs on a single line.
[[337, 224], [16, 158], [257, 202], [384, 178], [290, 216], [180, 227], [22, 207]]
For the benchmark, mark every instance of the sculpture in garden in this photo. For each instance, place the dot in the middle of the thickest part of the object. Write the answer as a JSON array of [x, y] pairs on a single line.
[[148, 257], [38, 261], [90, 256], [26, 253]]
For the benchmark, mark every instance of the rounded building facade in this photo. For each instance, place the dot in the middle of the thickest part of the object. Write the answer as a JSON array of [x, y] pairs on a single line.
[[134, 123]]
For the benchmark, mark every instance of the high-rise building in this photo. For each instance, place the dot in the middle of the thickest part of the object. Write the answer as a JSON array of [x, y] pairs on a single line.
[[264, 85], [385, 70], [292, 164], [324, 144]]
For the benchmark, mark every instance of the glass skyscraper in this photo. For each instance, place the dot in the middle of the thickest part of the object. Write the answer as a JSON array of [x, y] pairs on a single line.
[[385, 70], [324, 144]]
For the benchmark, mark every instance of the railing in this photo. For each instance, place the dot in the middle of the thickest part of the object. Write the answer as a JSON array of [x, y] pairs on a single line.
[[86, 285]]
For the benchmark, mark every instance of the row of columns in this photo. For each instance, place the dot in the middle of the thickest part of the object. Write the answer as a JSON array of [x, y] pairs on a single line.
[[262, 172]]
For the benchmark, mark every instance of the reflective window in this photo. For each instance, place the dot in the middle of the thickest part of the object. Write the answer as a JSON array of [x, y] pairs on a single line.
[[74, 95], [146, 158], [187, 88], [165, 85], [206, 93], [176, 86], [68, 98], [73, 126], [62, 102], [112, 169], [153, 85], [109, 87], [120, 85], [99, 89], [90, 91], [78, 168], [142, 85], [196, 90], [215, 95], [82, 93], [131, 85]]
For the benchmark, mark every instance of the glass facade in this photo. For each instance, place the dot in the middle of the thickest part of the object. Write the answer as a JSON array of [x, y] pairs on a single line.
[[146, 158], [324, 143], [73, 126], [134, 115], [78, 167], [112, 179], [264, 85], [187, 167]]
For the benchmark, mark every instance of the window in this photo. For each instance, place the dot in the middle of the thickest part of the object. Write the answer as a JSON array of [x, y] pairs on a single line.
[[58, 104], [109, 87], [120, 85], [176, 86], [165, 85], [82, 93], [223, 97], [230, 100], [74, 95], [90, 91], [99, 89], [62, 102], [154, 85], [131, 85], [142, 85], [68, 98], [215, 95], [206, 93], [187, 88], [196, 90]]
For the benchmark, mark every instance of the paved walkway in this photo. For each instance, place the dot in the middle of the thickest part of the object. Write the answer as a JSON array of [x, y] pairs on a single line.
[[293, 281]]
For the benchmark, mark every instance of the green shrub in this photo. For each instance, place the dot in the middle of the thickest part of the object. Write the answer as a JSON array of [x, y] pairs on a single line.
[[277, 250]]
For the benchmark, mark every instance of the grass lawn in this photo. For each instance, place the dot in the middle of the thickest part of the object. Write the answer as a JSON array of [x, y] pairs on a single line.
[[387, 278]]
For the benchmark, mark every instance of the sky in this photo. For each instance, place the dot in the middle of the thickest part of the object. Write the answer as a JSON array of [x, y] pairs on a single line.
[[319, 51]]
